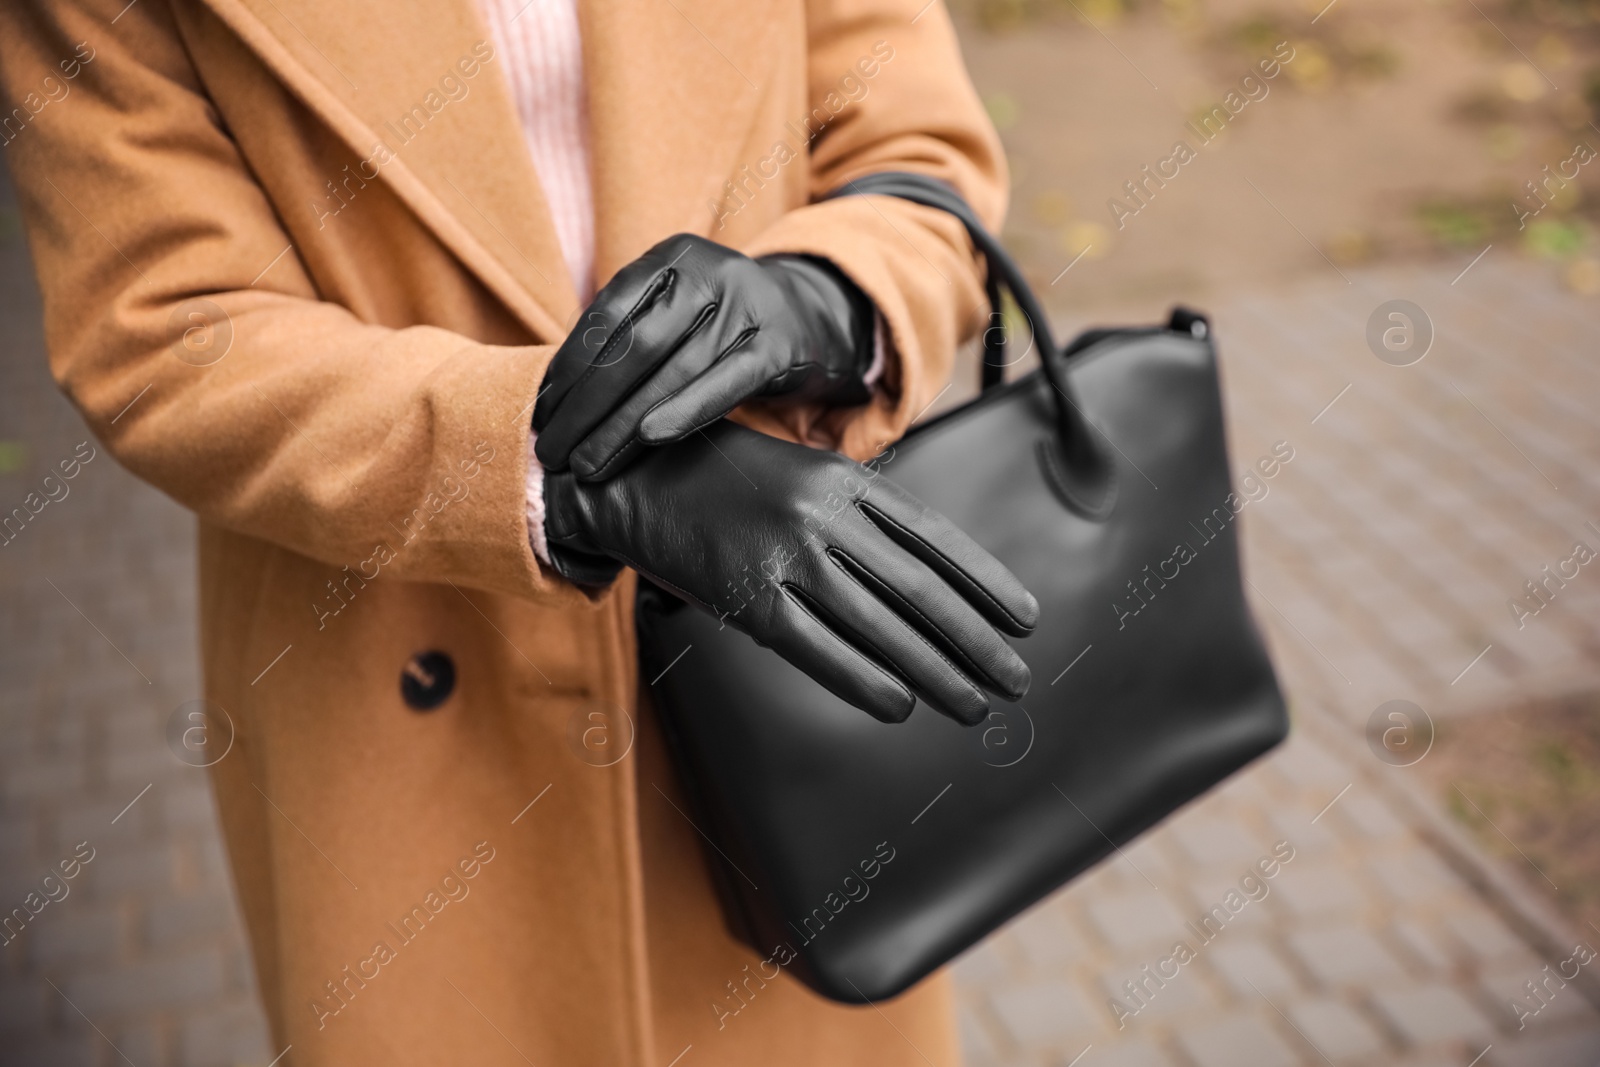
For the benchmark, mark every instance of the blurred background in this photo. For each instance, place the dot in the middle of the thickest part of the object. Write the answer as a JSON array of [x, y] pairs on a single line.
[[1395, 236]]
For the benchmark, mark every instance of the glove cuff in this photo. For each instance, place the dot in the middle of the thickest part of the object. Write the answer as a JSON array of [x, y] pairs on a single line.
[[571, 554], [583, 569], [843, 343]]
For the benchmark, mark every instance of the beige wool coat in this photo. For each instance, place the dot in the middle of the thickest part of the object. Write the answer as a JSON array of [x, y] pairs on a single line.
[[298, 274]]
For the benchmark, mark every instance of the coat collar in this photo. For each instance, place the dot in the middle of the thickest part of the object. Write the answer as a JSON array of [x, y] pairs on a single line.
[[672, 88]]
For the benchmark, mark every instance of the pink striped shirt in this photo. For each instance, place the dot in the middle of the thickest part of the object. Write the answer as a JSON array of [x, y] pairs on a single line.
[[543, 52]]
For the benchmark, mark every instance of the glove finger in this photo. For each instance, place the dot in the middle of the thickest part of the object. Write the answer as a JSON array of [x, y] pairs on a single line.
[[939, 614], [733, 379], [956, 558], [621, 300], [852, 602], [720, 340], [795, 631], [615, 353]]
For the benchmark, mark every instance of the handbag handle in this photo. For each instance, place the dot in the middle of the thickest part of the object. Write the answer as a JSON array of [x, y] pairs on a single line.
[[1086, 464]]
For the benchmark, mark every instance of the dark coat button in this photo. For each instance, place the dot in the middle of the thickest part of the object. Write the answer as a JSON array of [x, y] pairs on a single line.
[[427, 680]]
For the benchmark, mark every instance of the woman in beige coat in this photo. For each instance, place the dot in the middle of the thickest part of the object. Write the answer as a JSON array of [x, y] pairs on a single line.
[[299, 274]]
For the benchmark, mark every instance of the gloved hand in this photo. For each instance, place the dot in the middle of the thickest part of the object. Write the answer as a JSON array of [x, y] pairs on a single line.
[[686, 333], [838, 570]]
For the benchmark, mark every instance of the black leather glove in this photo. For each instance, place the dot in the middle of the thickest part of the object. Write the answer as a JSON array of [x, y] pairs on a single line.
[[686, 333], [835, 568]]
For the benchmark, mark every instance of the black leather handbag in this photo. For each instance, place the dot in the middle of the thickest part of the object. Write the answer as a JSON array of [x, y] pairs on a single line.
[[860, 856]]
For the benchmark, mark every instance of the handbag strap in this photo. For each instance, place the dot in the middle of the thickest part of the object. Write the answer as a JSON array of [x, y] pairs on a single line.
[[1086, 461], [1003, 272]]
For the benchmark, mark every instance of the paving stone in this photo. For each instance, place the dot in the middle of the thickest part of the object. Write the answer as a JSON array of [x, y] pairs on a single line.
[[1046, 939], [16, 840], [210, 859], [47, 777], [140, 766], [1430, 1059], [1151, 997], [1221, 903], [140, 1042], [131, 867], [1327, 801], [1304, 764], [74, 934], [1238, 1041], [22, 1007], [1573, 1048], [1423, 946], [1345, 955], [15, 885], [1335, 1030], [1133, 1052], [1293, 824], [1317, 891], [1551, 1002], [1250, 789], [976, 1044], [76, 1050], [1368, 815], [1045, 1013], [189, 807], [134, 727], [1484, 936], [1137, 918], [1423, 1014], [1416, 875], [1251, 968], [241, 971], [188, 918], [1213, 842], [168, 982], [91, 822], [1148, 856], [982, 964]]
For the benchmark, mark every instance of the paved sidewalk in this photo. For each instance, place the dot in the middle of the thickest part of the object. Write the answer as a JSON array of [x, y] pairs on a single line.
[[1383, 557]]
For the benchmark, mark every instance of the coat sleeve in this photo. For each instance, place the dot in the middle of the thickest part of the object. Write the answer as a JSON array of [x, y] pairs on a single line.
[[181, 323], [917, 112]]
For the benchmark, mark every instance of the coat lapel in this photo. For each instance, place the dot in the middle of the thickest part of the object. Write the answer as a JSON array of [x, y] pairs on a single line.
[[396, 76], [672, 86]]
